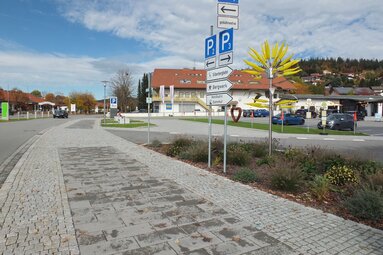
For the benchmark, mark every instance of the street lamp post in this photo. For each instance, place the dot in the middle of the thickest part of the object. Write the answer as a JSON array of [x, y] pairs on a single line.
[[105, 82]]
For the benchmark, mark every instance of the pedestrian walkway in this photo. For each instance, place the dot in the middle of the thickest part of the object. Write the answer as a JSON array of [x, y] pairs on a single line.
[[80, 189]]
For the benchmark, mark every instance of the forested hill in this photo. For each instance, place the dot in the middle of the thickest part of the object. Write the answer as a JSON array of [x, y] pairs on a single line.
[[340, 65]]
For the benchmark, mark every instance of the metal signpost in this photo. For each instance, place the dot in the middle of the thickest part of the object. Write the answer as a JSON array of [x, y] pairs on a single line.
[[216, 78], [149, 101]]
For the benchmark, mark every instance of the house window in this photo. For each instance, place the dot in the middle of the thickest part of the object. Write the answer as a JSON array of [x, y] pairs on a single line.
[[187, 94], [201, 95], [184, 81]]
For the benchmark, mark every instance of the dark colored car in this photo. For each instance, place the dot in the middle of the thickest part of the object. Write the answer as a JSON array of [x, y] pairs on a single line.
[[261, 113], [246, 113], [338, 121], [60, 114], [303, 112], [288, 119], [359, 115]]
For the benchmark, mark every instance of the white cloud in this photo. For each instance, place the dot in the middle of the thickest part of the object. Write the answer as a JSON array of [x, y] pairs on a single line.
[[177, 29], [320, 28]]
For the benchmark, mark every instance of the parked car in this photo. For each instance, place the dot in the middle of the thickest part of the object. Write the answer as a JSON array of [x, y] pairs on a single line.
[[246, 113], [359, 115], [288, 119], [303, 112], [261, 113], [338, 121], [60, 114]]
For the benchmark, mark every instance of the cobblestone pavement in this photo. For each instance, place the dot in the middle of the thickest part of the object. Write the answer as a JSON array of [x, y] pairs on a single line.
[[120, 198]]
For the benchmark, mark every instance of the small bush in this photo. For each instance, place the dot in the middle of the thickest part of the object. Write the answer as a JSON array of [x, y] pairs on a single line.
[[309, 167], [341, 175], [376, 181], [217, 160], [332, 160], [286, 176], [245, 175], [320, 187], [366, 168], [196, 152], [265, 161], [156, 143], [177, 146], [293, 154], [257, 150], [366, 204], [236, 155]]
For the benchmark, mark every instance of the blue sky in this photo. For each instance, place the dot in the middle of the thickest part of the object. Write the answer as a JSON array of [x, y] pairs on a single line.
[[62, 46]]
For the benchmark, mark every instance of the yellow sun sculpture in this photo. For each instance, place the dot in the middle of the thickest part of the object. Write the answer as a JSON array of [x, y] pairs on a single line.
[[273, 61]]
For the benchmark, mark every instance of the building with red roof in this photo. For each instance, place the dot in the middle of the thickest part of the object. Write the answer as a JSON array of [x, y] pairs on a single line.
[[190, 89]]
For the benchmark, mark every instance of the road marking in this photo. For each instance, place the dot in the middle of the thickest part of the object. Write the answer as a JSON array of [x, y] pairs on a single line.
[[358, 140], [216, 134], [173, 133], [234, 135], [302, 138], [329, 139]]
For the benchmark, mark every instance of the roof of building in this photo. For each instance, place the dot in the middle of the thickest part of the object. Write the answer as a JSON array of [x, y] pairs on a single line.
[[17, 95], [360, 98], [195, 79]]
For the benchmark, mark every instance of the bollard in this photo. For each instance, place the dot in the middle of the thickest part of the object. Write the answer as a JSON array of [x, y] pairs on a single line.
[[27, 115], [35, 114], [42, 114]]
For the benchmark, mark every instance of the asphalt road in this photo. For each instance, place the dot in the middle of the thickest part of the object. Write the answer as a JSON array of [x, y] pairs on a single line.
[[15, 133]]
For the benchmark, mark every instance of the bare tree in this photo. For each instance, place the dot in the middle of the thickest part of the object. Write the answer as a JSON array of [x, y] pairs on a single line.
[[122, 89]]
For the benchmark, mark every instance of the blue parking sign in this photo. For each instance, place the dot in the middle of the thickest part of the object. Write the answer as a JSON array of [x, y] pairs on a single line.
[[226, 40], [210, 46], [229, 1]]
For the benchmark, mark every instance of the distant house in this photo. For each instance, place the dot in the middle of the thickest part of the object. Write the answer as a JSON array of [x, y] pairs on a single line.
[[19, 100], [339, 91], [190, 90]]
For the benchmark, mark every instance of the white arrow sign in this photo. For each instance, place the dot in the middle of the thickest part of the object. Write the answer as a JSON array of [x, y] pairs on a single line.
[[210, 63], [218, 99], [218, 86], [219, 73], [225, 59], [228, 10]]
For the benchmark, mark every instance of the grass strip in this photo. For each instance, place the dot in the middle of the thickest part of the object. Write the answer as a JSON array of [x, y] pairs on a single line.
[[277, 128]]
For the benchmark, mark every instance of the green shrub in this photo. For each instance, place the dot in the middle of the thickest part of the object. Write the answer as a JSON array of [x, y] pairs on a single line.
[[308, 166], [267, 160], [177, 146], [332, 160], [196, 152], [293, 154], [320, 187], [341, 175], [286, 176], [236, 155], [245, 175], [255, 149], [376, 181], [156, 143], [366, 168], [366, 204]]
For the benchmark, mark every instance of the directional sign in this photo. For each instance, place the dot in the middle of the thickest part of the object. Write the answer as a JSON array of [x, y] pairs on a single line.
[[219, 73], [227, 22], [229, 1], [225, 59], [218, 86], [228, 10], [210, 63], [210, 46], [226, 40], [113, 103], [218, 99]]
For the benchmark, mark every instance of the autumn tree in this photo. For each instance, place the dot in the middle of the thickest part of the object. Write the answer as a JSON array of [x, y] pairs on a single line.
[[50, 97], [85, 102], [36, 93], [121, 86]]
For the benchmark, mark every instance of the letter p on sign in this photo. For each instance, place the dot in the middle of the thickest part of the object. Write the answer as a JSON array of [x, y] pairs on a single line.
[[226, 40], [210, 46]]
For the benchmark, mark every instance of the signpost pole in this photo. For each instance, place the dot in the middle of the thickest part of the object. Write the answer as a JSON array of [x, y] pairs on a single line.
[[210, 109], [225, 141], [149, 96], [270, 112]]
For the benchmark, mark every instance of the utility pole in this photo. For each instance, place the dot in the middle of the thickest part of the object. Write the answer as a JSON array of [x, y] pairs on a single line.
[[105, 82]]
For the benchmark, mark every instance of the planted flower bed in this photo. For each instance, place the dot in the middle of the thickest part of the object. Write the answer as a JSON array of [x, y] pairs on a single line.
[[347, 187]]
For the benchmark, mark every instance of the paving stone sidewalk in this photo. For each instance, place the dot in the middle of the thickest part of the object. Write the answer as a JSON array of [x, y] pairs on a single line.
[[120, 198]]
